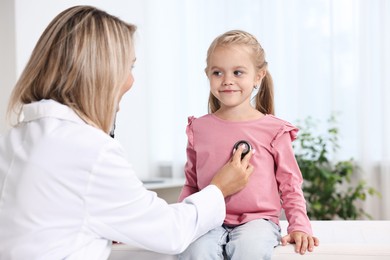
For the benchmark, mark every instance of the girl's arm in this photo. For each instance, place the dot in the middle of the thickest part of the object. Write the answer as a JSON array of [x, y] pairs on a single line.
[[289, 178], [190, 185]]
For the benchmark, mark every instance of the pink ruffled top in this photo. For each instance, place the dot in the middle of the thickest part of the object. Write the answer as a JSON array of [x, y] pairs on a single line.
[[276, 181]]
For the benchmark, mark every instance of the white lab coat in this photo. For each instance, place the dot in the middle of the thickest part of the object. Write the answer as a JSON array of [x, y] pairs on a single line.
[[66, 192]]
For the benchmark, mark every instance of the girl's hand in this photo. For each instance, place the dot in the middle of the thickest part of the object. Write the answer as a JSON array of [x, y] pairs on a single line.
[[234, 175], [301, 240]]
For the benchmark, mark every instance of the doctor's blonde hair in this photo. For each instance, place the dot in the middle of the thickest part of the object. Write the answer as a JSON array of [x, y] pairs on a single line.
[[264, 99], [81, 60]]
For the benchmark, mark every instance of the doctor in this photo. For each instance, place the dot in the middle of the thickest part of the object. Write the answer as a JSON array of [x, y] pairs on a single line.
[[66, 190]]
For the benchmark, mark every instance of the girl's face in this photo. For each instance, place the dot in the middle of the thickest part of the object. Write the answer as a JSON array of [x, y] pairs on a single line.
[[233, 75]]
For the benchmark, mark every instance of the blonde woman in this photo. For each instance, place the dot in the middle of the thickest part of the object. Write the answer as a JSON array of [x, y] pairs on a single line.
[[66, 190]]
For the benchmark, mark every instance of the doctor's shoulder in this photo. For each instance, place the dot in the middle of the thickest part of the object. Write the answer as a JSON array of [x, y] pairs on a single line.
[[82, 139]]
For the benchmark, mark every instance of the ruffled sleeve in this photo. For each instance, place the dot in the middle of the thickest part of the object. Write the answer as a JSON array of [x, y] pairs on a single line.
[[285, 128], [289, 178], [189, 130]]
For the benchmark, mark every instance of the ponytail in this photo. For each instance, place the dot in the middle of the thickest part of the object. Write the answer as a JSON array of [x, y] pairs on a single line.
[[265, 97]]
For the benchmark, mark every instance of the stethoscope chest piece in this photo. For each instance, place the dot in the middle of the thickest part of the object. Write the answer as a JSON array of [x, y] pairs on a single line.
[[246, 150]]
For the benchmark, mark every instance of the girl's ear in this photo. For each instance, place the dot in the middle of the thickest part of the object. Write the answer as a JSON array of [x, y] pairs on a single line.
[[206, 72], [259, 77]]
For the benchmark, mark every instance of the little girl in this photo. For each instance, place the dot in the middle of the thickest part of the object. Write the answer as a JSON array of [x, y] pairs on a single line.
[[236, 67]]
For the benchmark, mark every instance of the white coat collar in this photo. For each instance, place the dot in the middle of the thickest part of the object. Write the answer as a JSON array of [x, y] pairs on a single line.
[[49, 108]]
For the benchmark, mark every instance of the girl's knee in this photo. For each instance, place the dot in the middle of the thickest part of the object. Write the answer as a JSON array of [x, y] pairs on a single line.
[[205, 247], [249, 251]]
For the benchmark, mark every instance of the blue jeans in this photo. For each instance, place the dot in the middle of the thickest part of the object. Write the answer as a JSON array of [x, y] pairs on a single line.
[[253, 240]]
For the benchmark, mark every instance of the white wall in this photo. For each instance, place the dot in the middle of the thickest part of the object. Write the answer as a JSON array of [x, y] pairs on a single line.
[[7, 56]]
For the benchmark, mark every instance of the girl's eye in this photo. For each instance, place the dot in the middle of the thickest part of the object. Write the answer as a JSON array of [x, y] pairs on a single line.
[[217, 73], [238, 72]]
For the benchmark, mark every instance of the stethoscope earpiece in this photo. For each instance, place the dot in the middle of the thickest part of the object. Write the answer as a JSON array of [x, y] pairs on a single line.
[[246, 150]]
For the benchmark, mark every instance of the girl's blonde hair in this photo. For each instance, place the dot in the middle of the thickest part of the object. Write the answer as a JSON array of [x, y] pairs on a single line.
[[264, 100], [82, 60]]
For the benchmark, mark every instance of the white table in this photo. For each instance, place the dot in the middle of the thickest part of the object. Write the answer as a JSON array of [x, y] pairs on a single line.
[[350, 240]]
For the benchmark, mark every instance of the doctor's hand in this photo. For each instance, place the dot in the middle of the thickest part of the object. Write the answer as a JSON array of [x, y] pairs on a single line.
[[234, 175], [301, 240]]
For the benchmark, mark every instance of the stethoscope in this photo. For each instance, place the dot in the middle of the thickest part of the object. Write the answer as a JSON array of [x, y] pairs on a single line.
[[247, 147]]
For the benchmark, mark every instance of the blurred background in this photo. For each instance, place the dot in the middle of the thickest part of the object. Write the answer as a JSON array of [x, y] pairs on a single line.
[[326, 57]]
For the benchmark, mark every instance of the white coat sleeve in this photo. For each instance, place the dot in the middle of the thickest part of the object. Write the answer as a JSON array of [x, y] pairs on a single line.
[[119, 208]]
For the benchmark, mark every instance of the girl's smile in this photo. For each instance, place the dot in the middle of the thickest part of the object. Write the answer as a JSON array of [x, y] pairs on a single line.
[[229, 91]]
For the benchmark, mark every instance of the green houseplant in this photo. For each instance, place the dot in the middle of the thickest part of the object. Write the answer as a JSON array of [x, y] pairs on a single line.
[[331, 188]]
